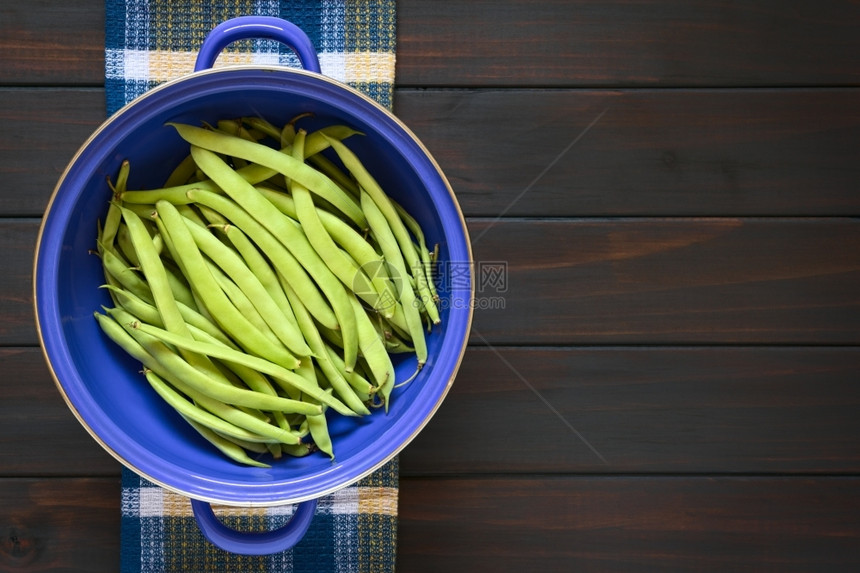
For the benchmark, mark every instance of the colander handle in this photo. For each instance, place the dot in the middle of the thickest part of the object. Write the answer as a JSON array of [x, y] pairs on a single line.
[[257, 543], [245, 27]]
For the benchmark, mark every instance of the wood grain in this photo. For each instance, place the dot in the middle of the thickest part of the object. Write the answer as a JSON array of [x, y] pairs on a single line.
[[60, 525], [643, 152], [667, 281], [18, 237], [623, 43], [39, 435], [43, 130], [520, 43], [629, 524], [52, 43], [645, 410]]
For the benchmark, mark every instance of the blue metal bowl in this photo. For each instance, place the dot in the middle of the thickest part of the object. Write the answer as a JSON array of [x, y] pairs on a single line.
[[104, 388]]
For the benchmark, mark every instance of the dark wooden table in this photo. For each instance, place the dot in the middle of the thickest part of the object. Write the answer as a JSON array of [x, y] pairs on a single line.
[[665, 376]]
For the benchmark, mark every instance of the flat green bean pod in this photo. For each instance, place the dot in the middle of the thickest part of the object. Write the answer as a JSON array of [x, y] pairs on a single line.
[[207, 288], [342, 266], [228, 447], [224, 353], [291, 237], [122, 338], [398, 228], [234, 266], [274, 159], [278, 254], [385, 236]]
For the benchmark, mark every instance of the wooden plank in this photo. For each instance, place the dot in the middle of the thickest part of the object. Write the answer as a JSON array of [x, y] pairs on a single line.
[[554, 43], [513, 524], [645, 409], [666, 281], [723, 410], [43, 130], [652, 153], [60, 524], [45, 42], [39, 435], [629, 524], [624, 43], [643, 152], [18, 237], [616, 281]]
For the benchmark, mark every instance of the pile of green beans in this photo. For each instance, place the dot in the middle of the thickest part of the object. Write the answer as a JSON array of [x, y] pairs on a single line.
[[266, 283]]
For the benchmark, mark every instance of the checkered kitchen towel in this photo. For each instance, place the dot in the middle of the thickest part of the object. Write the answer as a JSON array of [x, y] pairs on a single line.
[[148, 42]]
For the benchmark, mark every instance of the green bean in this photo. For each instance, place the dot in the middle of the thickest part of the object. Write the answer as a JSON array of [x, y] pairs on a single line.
[[235, 128], [176, 195], [341, 266], [373, 350], [228, 447], [279, 373], [424, 254], [396, 345], [181, 290], [277, 253], [255, 447], [318, 140], [243, 304], [379, 225], [123, 339], [297, 450], [237, 417], [159, 285], [284, 164], [234, 266], [113, 218], [315, 341], [257, 265], [353, 243], [191, 213], [182, 172], [363, 388], [263, 126], [290, 236], [319, 433], [143, 210], [275, 450], [123, 243], [335, 173], [120, 270], [341, 232], [229, 420], [207, 288], [178, 285], [148, 313], [190, 314], [252, 378], [199, 382], [401, 234]]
